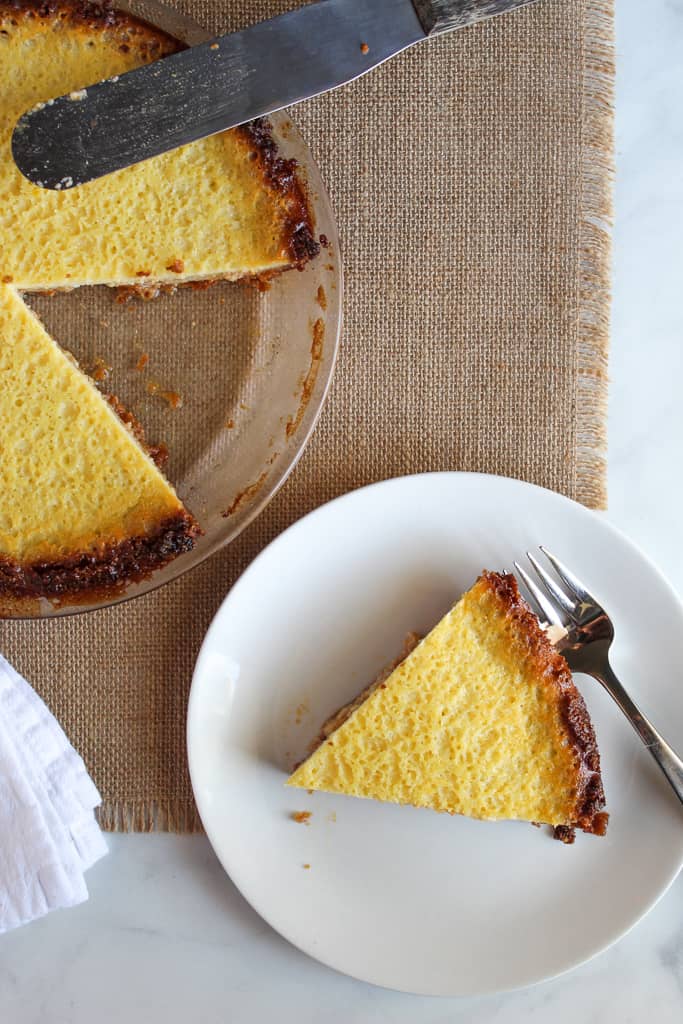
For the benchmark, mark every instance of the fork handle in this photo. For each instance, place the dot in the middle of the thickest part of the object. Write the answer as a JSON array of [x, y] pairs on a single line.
[[666, 758]]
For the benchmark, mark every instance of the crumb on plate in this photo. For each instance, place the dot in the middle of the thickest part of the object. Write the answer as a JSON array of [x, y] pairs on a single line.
[[302, 817]]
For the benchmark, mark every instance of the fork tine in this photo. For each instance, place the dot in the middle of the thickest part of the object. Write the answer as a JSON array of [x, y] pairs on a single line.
[[539, 602], [557, 593], [569, 579]]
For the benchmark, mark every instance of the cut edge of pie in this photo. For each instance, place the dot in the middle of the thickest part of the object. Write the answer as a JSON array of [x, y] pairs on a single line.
[[71, 430], [399, 739]]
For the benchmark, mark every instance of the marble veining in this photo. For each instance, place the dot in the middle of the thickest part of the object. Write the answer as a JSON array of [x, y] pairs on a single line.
[[166, 938]]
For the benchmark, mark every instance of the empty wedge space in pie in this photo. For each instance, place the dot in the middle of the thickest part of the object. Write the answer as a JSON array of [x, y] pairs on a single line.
[[84, 505]]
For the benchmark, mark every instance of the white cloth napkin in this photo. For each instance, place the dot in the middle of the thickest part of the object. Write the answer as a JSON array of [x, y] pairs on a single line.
[[48, 833]]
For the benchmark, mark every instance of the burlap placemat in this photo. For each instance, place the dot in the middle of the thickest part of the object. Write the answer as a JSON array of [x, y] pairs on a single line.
[[471, 178]]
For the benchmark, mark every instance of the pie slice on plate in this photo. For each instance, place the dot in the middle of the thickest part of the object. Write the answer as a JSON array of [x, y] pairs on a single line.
[[481, 718]]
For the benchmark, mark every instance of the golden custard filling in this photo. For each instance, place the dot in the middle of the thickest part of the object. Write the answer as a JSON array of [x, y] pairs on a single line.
[[482, 719]]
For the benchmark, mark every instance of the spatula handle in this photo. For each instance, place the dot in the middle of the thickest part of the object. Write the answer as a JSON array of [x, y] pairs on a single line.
[[439, 16]]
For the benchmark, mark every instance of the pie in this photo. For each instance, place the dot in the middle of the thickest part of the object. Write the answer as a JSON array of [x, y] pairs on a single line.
[[480, 718], [83, 504]]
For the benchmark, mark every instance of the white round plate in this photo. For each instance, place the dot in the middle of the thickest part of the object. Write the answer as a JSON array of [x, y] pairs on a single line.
[[407, 898]]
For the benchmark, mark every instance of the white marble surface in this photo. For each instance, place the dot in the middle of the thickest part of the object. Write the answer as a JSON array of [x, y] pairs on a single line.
[[166, 938]]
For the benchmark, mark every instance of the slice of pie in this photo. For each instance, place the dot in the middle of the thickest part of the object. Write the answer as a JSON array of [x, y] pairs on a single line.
[[87, 506], [480, 718], [83, 504]]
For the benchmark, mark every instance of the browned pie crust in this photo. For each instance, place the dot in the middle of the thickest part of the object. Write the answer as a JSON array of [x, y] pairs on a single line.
[[589, 814], [109, 567], [130, 31], [281, 176]]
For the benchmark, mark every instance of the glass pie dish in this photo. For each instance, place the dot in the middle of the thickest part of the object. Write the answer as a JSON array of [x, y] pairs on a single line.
[[230, 379]]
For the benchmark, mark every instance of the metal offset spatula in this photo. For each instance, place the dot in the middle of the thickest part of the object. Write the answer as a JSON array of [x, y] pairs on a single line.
[[225, 82]]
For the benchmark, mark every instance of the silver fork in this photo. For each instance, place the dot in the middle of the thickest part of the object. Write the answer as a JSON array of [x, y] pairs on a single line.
[[583, 632]]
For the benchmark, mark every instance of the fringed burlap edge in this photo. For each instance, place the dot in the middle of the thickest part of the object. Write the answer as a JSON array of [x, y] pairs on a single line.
[[595, 254], [149, 816]]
